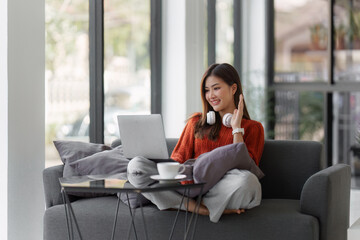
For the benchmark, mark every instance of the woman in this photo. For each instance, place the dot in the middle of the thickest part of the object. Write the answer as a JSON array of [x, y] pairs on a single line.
[[221, 92]]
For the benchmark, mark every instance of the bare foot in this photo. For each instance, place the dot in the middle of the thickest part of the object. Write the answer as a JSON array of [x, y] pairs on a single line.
[[230, 211], [202, 209]]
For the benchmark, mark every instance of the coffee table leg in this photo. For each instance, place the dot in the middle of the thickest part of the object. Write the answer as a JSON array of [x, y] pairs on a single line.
[[197, 206], [196, 216], [66, 214], [176, 217], [73, 215], [116, 216], [132, 218], [186, 213], [143, 217]]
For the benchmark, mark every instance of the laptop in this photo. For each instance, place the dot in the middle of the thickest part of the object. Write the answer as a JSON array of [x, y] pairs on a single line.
[[143, 135]]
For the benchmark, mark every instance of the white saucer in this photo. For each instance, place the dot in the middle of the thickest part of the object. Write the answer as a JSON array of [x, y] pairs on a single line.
[[167, 180]]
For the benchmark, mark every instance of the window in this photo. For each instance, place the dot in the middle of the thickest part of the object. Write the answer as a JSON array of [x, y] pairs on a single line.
[[127, 70], [299, 115], [321, 105], [347, 41], [346, 126], [301, 40], [224, 31], [67, 73]]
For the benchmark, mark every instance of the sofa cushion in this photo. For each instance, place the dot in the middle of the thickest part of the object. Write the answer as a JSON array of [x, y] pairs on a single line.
[[288, 164], [274, 219]]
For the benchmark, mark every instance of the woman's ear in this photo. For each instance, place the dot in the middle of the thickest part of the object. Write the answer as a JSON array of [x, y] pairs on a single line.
[[233, 88]]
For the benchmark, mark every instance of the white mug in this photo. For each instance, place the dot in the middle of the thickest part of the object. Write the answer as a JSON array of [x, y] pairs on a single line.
[[169, 170]]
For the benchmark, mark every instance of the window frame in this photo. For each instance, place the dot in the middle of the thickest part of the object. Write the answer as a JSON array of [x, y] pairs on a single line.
[[96, 57], [96, 63]]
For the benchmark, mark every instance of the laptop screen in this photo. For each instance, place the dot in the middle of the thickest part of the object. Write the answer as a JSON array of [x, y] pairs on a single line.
[[143, 135]]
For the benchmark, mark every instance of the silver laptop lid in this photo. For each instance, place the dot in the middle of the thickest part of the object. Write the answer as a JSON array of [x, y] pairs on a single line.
[[143, 135]]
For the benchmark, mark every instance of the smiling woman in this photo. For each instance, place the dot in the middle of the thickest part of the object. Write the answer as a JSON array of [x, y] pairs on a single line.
[[221, 92], [219, 95]]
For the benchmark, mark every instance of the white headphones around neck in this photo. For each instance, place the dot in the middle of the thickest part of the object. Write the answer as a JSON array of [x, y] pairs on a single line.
[[211, 119]]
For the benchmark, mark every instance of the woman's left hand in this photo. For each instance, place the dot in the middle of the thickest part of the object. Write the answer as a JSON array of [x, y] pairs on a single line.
[[238, 114]]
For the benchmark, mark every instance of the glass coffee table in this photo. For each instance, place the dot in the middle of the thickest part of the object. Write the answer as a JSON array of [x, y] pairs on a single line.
[[95, 184]]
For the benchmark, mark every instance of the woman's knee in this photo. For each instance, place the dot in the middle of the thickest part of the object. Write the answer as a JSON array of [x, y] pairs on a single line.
[[139, 171], [252, 182], [253, 188], [141, 165]]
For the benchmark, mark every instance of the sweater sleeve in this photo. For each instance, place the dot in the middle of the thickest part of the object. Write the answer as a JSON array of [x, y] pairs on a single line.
[[254, 140], [184, 149]]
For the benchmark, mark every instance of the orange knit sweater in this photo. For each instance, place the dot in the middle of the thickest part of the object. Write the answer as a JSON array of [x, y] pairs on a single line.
[[190, 147]]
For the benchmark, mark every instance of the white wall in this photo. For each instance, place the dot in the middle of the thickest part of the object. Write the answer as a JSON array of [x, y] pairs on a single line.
[[183, 58], [253, 59], [195, 37], [173, 89], [3, 120], [25, 117]]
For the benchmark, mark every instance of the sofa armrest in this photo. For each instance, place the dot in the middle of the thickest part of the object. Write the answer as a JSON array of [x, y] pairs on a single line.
[[326, 195], [52, 186]]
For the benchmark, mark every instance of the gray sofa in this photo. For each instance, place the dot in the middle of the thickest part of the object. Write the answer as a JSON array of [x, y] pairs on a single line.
[[300, 201]]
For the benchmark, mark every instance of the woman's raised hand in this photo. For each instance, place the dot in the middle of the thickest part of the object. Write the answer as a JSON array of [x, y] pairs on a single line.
[[238, 114]]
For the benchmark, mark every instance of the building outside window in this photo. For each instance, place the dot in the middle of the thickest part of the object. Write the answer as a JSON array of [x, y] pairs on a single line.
[[306, 82]]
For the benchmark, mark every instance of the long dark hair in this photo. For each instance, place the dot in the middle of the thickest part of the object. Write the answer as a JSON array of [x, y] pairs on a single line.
[[230, 76]]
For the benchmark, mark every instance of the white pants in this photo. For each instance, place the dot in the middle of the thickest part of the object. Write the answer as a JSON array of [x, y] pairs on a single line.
[[236, 190]]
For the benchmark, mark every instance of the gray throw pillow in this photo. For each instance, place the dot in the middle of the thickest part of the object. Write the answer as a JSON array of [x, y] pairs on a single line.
[[113, 164], [71, 151], [135, 199], [105, 162], [210, 167]]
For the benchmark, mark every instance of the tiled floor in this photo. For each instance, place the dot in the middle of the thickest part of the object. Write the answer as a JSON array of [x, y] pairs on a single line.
[[355, 182], [355, 199], [354, 205]]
